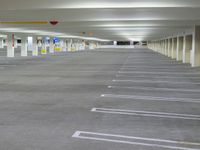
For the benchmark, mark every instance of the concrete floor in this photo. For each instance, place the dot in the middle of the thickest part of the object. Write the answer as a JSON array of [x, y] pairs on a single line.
[[46, 99]]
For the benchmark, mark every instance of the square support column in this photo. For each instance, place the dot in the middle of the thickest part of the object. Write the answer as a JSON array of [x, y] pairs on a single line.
[[187, 48], [166, 47], [52, 46], [174, 48], [44, 49], [169, 47], [69, 47], [195, 62], [35, 46], [44, 46], [64, 46], [24, 46], [179, 52], [82, 45], [1, 42], [16, 44], [10, 45], [163, 47]]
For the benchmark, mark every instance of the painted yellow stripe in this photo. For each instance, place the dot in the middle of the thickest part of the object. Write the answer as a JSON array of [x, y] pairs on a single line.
[[25, 22]]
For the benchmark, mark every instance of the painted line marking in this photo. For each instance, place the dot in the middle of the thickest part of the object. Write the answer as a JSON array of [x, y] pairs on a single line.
[[153, 66], [147, 113], [148, 142], [173, 64], [150, 81], [7, 65], [162, 77], [149, 98], [153, 88], [152, 69], [144, 72]]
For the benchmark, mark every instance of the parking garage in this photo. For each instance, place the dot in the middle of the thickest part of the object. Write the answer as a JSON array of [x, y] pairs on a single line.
[[98, 75]]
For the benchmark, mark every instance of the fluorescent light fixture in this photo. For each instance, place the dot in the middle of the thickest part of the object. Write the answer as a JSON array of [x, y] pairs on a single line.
[[128, 4], [125, 25], [84, 38]]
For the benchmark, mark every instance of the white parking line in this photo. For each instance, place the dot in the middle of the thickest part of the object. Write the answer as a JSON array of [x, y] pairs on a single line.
[[153, 89], [169, 73], [152, 69], [152, 66], [147, 113], [140, 141], [149, 98], [156, 77], [150, 81]]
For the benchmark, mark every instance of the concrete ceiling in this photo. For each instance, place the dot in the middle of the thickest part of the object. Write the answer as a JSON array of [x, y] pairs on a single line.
[[106, 19]]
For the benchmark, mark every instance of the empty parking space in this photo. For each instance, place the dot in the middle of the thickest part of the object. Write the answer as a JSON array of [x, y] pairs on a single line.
[[78, 101]]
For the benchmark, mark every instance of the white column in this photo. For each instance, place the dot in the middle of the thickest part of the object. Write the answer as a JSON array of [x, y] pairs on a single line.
[[168, 52], [44, 49], [68, 45], [24, 45], [83, 44], [131, 42], [172, 50], [1, 42], [115, 43], [77, 45], [16, 44], [52, 46], [196, 47], [10, 45], [166, 47], [35, 46], [184, 49], [177, 48], [64, 48]]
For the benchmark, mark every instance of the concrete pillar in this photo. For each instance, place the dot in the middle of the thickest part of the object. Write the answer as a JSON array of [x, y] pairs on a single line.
[[10, 45], [1, 42], [24, 45], [179, 52], [44, 46], [187, 48], [174, 48], [115, 43], [64, 48], [166, 46], [61, 44], [91, 45], [160, 47], [163, 47], [16, 44], [196, 47], [35, 46], [131, 42], [83, 45], [69, 45], [51, 46], [76, 45], [169, 47]]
